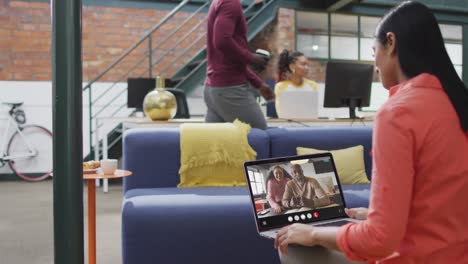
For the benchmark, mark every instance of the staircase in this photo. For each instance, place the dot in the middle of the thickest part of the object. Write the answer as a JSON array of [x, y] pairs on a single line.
[[193, 73], [181, 54]]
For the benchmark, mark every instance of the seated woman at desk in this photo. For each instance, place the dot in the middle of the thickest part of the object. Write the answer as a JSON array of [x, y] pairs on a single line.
[[292, 69], [276, 183]]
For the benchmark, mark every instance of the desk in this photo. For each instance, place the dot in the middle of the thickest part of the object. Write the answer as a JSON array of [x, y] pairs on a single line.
[[91, 178], [277, 122], [146, 122]]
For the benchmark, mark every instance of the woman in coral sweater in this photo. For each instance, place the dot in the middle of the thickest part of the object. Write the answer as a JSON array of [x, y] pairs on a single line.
[[418, 211]]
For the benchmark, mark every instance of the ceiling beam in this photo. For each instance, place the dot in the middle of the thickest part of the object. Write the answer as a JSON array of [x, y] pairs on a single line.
[[339, 4]]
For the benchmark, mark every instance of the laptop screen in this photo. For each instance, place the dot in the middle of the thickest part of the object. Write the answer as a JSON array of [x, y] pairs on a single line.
[[298, 189]]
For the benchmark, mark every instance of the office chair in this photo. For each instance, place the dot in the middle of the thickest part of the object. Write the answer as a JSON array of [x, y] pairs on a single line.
[[270, 106], [181, 99]]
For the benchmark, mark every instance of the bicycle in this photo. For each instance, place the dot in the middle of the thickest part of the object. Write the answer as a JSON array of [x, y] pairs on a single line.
[[29, 148]]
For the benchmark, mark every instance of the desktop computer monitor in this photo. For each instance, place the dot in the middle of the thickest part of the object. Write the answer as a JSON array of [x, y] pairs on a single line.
[[137, 90], [348, 85]]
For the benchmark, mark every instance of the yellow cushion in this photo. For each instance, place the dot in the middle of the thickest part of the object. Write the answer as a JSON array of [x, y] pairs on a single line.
[[214, 154], [349, 163]]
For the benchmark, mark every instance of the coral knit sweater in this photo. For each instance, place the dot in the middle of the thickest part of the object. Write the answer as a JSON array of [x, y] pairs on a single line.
[[226, 46], [418, 210]]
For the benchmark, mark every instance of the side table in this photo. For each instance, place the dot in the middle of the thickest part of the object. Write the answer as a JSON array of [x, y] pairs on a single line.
[[91, 178]]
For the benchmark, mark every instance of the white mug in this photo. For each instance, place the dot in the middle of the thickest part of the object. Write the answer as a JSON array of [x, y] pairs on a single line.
[[263, 52], [109, 166]]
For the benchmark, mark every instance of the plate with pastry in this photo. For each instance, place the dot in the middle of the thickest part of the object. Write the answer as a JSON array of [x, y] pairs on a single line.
[[91, 166]]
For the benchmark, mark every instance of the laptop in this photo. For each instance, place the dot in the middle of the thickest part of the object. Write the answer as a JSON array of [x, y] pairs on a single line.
[[326, 210], [300, 104]]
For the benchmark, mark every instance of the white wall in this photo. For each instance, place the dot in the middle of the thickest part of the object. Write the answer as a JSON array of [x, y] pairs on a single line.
[[37, 98]]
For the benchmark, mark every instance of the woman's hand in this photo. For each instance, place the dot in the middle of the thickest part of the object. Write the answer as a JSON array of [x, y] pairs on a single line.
[[266, 92], [357, 213], [259, 60], [277, 209], [299, 234]]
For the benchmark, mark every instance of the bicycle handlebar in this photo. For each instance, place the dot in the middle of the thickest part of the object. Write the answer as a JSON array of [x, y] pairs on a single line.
[[16, 113]]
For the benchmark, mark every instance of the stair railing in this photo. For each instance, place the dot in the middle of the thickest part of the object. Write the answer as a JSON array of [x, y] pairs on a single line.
[[147, 55], [152, 63]]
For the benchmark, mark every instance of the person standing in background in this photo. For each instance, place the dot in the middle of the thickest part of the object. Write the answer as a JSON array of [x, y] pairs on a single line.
[[228, 82], [292, 70]]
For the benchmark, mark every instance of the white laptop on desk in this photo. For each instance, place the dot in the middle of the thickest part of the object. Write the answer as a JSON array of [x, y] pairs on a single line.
[[319, 166], [300, 104]]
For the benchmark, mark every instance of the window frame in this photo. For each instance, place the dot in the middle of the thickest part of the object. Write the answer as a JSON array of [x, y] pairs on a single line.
[[254, 185], [360, 38]]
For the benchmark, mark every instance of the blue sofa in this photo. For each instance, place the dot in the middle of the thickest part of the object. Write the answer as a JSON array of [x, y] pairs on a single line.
[[165, 224]]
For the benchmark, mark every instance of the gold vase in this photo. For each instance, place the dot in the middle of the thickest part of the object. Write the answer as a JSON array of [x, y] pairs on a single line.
[[160, 104]]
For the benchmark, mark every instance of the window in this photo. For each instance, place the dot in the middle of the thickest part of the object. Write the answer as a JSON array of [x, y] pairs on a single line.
[[330, 36], [351, 37], [256, 182], [453, 37], [366, 37], [344, 37], [312, 34]]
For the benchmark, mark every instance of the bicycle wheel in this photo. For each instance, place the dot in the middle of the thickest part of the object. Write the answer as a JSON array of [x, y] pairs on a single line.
[[37, 167]]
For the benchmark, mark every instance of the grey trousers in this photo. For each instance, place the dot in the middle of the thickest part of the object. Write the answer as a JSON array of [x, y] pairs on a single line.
[[313, 255], [225, 104]]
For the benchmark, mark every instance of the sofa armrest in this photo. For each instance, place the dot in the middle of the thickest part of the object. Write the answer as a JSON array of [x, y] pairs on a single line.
[[153, 155]]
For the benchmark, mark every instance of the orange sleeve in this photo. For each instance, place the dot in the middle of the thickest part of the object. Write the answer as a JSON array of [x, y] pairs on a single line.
[[391, 189]]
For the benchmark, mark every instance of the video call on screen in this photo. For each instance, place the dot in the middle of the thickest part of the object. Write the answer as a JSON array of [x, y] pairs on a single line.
[[301, 191]]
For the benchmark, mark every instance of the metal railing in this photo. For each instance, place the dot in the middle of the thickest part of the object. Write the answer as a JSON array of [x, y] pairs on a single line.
[[132, 68]]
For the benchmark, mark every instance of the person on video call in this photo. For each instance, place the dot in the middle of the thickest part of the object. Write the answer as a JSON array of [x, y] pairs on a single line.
[[276, 184], [419, 187], [303, 191], [228, 81], [292, 70]]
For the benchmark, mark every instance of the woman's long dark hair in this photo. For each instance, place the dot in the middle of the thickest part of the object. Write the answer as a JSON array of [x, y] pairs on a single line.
[[285, 58], [420, 49]]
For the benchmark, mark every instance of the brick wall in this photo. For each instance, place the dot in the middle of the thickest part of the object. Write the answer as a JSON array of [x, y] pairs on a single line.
[[25, 41], [25, 46]]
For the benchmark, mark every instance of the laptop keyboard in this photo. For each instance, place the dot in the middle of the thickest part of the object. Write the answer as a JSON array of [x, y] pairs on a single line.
[[337, 223]]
